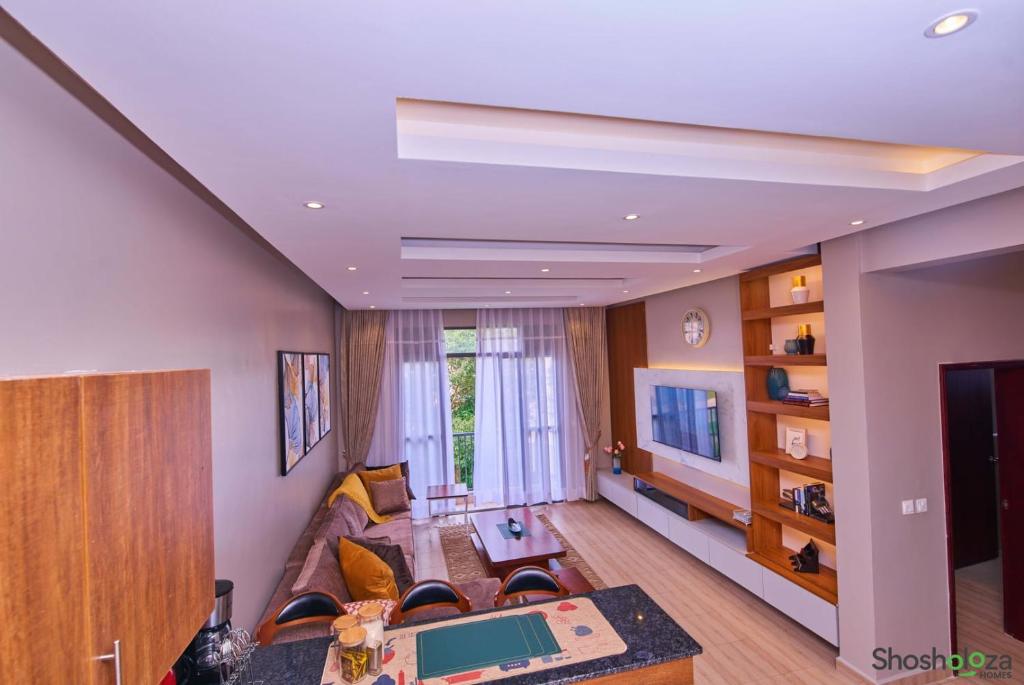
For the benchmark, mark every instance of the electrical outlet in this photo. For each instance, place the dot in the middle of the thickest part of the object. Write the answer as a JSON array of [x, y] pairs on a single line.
[[921, 505], [908, 507]]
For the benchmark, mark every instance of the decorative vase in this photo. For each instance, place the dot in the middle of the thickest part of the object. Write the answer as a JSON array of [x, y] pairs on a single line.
[[791, 346], [778, 383], [799, 291], [616, 465], [804, 339]]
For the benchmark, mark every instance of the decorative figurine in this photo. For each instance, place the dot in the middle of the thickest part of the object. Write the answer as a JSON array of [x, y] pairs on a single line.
[[806, 560], [515, 527]]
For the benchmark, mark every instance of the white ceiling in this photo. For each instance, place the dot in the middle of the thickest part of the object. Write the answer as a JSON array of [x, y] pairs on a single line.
[[270, 104]]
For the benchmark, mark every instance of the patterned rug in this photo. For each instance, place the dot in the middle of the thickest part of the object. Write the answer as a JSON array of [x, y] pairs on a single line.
[[464, 564]]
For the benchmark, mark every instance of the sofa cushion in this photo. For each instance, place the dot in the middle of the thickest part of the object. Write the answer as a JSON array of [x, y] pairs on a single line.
[[335, 524], [321, 572], [366, 574], [354, 514], [393, 556], [353, 487], [389, 496]]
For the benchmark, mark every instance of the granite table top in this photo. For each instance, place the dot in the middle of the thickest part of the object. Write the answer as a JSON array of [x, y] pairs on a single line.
[[651, 638]]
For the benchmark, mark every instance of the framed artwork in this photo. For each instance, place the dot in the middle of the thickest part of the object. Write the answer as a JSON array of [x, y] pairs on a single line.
[[311, 395], [324, 379], [293, 435]]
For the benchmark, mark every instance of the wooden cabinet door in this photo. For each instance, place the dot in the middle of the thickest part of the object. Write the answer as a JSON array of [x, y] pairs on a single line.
[[42, 550], [148, 491]]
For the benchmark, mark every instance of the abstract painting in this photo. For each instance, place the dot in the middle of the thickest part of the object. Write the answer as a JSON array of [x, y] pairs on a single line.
[[293, 442], [324, 379], [311, 386]]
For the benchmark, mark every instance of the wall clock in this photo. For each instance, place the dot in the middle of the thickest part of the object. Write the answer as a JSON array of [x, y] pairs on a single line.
[[696, 327]]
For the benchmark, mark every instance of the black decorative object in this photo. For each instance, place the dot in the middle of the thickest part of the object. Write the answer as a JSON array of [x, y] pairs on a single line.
[[515, 527], [804, 339], [806, 560]]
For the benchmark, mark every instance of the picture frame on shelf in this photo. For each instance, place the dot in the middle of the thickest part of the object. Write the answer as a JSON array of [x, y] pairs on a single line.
[[796, 436]]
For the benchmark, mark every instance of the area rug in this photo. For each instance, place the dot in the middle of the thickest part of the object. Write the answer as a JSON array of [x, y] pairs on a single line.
[[464, 563]]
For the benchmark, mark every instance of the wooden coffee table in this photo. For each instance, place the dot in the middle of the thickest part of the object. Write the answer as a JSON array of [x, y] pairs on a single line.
[[500, 556]]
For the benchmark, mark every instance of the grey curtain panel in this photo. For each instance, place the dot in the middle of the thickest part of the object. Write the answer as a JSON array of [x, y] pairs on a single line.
[[361, 361], [585, 334]]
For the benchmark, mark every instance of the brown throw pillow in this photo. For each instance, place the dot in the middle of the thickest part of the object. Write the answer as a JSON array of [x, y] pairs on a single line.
[[405, 474], [393, 556], [321, 572], [389, 496], [354, 514]]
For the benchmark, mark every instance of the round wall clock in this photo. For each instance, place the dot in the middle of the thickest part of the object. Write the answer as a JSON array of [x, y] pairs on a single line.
[[696, 327]]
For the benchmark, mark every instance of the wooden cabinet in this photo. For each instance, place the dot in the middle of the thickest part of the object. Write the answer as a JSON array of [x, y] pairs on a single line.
[[108, 530]]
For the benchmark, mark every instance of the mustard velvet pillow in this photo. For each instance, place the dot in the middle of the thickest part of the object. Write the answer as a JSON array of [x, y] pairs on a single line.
[[354, 489], [377, 475], [366, 574]]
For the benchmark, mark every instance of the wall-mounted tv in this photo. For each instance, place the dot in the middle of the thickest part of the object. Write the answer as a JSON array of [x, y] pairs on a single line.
[[686, 419]]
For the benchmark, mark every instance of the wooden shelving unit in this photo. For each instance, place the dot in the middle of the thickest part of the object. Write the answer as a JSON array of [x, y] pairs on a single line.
[[766, 459], [700, 503]]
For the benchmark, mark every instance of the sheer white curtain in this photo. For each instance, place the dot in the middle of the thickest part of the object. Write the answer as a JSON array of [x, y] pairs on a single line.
[[414, 419], [529, 443]]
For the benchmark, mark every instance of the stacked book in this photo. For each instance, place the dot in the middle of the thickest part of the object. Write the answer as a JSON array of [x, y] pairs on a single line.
[[742, 515], [806, 398]]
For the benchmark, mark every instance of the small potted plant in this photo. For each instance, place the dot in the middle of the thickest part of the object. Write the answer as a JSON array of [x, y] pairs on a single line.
[[616, 450]]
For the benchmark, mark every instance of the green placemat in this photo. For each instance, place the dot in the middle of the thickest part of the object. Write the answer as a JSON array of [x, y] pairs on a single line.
[[508, 535], [470, 646]]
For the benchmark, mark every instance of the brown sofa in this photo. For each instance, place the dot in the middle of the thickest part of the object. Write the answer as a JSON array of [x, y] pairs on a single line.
[[296, 615]]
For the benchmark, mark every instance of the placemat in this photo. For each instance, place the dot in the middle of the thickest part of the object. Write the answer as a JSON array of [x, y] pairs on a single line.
[[508, 535], [577, 625], [468, 646]]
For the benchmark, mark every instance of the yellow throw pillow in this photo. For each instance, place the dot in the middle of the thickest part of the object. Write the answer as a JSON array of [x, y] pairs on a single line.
[[353, 487], [390, 473], [366, 574]]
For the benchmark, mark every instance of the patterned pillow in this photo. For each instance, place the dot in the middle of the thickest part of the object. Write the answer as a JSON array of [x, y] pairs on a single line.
[[389, 496], [388, 604]]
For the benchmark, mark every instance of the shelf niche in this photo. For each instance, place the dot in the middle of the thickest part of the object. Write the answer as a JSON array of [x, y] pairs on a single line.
[[767, 461]]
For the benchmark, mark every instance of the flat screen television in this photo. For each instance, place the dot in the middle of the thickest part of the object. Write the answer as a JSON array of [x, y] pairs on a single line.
[[686, 419]]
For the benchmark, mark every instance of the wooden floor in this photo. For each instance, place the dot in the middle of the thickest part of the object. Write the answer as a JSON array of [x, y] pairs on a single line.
[[979, 610], [744, 639]]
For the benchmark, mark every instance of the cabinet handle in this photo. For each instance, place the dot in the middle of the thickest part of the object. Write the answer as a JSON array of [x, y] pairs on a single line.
[[116, 658]]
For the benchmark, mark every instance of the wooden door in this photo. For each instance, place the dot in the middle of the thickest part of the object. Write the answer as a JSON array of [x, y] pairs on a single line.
[[1009, 392], [147, 456], [969, 426], [627, 350], [42, 551]]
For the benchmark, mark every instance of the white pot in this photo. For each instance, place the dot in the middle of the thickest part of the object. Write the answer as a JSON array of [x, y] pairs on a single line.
[[800, 294]]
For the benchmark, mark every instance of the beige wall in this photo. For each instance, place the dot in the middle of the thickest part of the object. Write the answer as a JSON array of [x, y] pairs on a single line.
[[666, 348], [890, 331], [111, 264]]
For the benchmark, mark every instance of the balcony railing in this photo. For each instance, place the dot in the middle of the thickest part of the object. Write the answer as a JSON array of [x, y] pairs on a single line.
[[463, 444]]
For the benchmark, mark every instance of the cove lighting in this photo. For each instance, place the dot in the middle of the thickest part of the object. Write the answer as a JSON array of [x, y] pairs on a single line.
[[951, 23]]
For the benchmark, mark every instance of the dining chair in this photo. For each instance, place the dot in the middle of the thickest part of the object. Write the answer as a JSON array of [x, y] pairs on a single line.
[[428, 595], [528, 581]]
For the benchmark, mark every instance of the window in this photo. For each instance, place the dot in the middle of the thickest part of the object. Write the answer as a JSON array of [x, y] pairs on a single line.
[[460, 348]]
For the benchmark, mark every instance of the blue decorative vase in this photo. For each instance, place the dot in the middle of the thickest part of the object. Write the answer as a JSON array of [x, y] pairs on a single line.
[[616, 465], [778, 383], [791, 346]]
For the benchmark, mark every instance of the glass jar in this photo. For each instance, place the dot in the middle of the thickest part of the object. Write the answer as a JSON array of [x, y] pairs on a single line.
[[371, 619], [352, 654]]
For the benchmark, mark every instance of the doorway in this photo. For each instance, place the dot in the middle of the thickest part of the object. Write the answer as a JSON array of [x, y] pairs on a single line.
[[983, 445]]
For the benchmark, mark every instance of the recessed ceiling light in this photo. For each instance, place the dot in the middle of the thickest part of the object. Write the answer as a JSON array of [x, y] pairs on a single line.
[[313, 204], [624, 292], [696, 271], [351, 268], [366, 292], [545, 270], [857, 222], [631, 217], [508, 292], [373, 306], [583, 304], [951, 23]]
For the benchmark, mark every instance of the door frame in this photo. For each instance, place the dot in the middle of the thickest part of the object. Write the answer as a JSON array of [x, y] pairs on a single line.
[[947, 486]]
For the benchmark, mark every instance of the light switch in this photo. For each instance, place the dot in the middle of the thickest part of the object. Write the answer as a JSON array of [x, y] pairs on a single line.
[[921, 505], [908, 507]]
